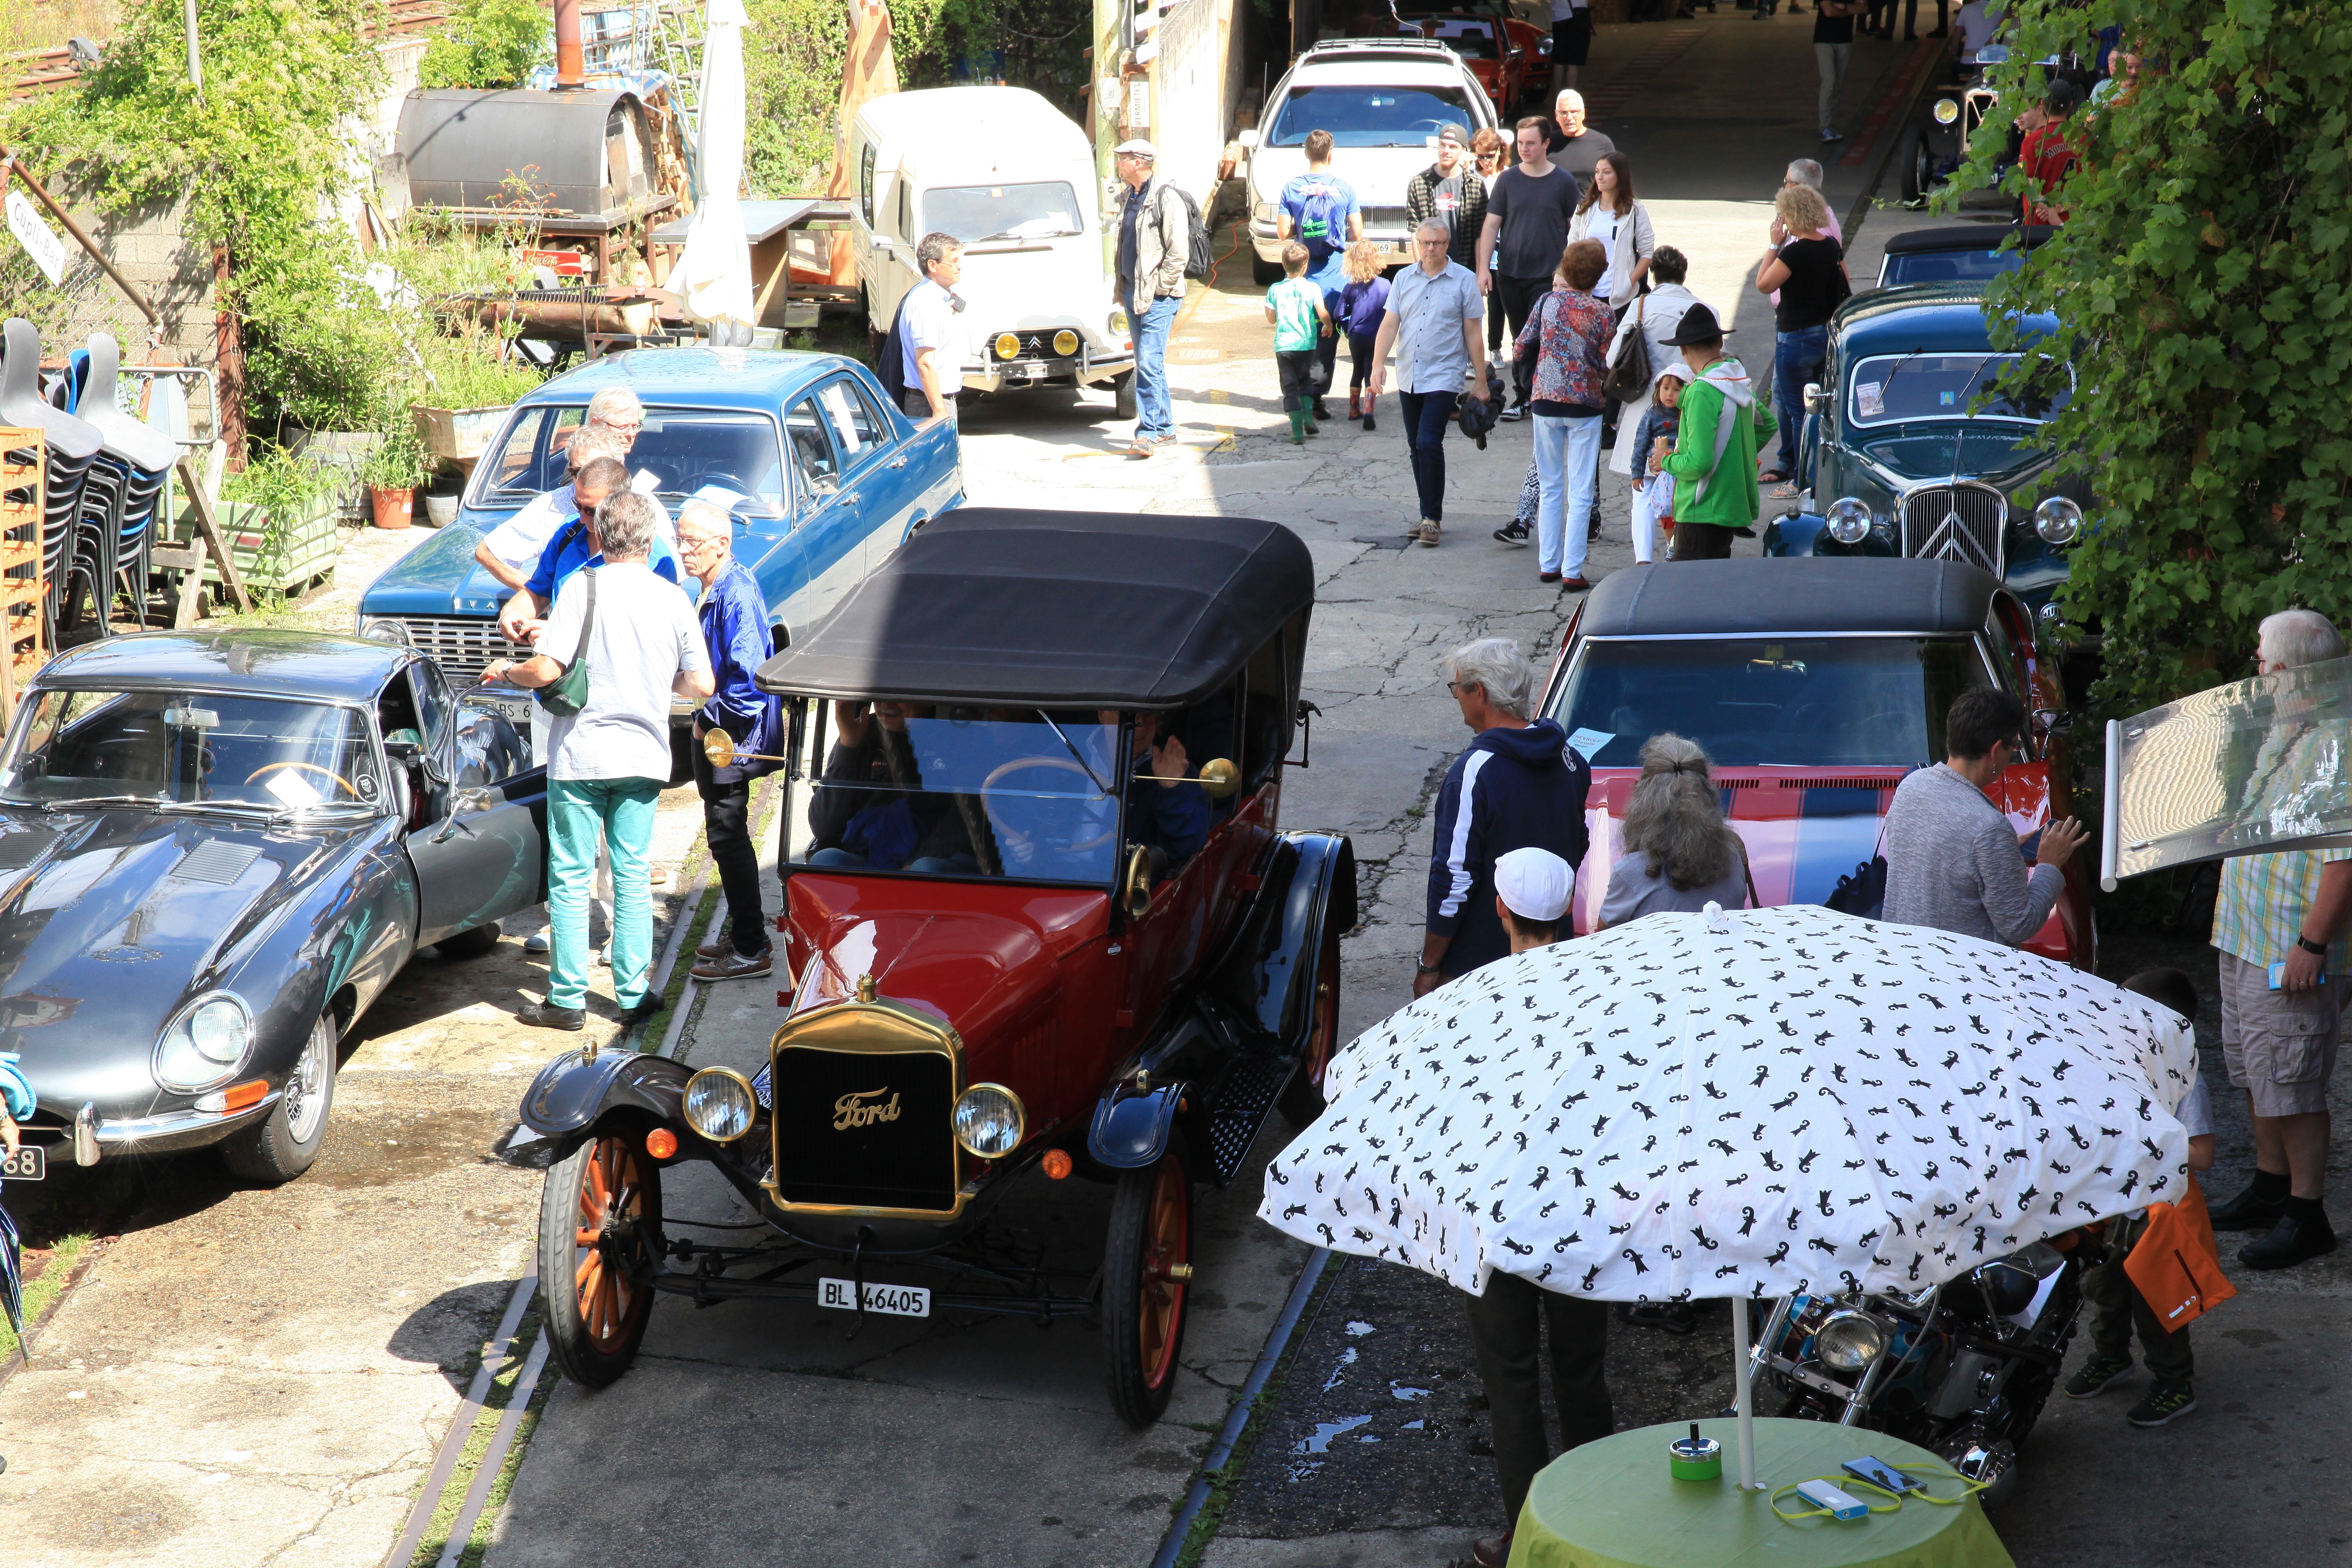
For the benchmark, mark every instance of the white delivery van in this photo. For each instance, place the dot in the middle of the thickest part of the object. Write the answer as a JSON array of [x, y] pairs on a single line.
[[1014, 178]]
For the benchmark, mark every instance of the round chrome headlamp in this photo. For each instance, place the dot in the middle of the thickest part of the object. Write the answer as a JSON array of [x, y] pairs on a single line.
[[988, 1121], [2058, 521], [1850, 521], [1946, 111], [2051, 617], [385, 631], [204, 1044], [1066, 342], [719, 1104], [1849, 1342]]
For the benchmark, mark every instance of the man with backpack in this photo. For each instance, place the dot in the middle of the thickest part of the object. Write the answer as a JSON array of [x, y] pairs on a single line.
[[1155, 249], [1319, 210]]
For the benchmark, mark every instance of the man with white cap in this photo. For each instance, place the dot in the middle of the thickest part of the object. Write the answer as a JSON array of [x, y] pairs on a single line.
[[1506, 1323], [1155, 238]]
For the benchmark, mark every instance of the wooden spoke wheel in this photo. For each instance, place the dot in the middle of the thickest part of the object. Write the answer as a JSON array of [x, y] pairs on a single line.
[[1302, 1097], [1146, 1269], [599, 1241]]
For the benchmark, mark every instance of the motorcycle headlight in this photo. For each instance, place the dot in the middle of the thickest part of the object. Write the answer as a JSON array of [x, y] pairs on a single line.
[[1948, 110], [386, 631], [1066, 342], [988, 1121], [1850, 521], [204, 1044], [719, 1104], [1849, 1342], [2058, 521]]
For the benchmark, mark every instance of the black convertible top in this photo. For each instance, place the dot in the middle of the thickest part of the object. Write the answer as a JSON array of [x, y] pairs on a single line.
[[1967, 237], [1806, 593], [1055, 609]]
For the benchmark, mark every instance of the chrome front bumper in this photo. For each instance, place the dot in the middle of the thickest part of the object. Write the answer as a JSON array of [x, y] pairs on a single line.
[[93, 1137]]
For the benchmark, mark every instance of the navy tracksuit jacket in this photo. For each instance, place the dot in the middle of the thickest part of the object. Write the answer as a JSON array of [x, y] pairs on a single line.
[[1512, 789]]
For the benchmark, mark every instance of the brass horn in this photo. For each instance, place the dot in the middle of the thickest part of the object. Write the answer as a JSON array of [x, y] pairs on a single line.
[[1218, 779], [718, 746]]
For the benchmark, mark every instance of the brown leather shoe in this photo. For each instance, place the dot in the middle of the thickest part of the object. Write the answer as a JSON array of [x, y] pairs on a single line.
[[1492, 1551]]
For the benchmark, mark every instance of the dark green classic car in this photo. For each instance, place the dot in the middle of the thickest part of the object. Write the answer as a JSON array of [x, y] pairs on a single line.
[[1909, 450]]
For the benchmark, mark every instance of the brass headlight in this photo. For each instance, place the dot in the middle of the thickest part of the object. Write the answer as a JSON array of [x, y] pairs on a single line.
[[719, 1104], [1946, 111], [1007, 345], [1066, 342], [988, 1120]]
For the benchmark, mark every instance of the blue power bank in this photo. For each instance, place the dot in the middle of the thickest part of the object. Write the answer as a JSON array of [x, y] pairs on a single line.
[[1838, 1504]]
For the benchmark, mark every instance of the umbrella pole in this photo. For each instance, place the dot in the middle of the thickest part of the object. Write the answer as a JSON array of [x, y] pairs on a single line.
[[1743, 1393]]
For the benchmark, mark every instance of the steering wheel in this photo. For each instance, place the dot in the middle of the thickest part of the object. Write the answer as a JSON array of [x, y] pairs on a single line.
[[1065, 765], [1432, 124], [308, 768], [721, 477]]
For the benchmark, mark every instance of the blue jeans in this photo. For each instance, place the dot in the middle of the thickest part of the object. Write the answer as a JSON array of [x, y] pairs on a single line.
[[1567, 459], [1154, 415], [577, 811], [1797, 357], [1426, 416]]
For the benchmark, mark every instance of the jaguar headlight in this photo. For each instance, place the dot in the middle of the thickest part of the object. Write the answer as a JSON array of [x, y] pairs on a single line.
[[1066, 342], [1850, 521], [1007, 345], [988, 1121], [2058, 521], [1946, 111], [385, 631], [204, 1044], [1849, 1342], [719, 1104]]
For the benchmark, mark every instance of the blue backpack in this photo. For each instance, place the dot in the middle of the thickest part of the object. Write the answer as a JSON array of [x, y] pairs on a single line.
[[1323, 216]]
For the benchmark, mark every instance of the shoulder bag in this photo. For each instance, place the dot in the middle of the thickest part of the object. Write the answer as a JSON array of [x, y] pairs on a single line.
[[568, 695], [1629, 374]]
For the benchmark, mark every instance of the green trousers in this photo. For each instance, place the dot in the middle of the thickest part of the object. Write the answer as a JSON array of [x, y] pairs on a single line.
[[578, 810], [2118, 1309]]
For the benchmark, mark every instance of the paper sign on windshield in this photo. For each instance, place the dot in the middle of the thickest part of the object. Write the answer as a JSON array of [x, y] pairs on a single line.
[[1588, 743], [1871, 398], [39, 240], [292, 788]]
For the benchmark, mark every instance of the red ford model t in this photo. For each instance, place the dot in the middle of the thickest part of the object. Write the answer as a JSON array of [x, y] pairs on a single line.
[[1040, 922]]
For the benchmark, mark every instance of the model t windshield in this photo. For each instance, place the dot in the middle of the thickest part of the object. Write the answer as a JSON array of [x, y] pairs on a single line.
[[946, 790], [189, 748]]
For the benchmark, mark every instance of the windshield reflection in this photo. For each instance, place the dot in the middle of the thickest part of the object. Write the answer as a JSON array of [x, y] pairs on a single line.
[[188, 748]]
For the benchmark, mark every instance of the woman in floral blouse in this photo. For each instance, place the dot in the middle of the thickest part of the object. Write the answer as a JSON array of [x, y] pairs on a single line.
[[1568, 334]]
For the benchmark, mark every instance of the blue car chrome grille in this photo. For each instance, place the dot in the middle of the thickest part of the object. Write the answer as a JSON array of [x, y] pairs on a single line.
[[460, 644], [1965, 522]]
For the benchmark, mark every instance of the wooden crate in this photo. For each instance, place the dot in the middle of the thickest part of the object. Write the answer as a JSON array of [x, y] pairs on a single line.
[[23, 646]]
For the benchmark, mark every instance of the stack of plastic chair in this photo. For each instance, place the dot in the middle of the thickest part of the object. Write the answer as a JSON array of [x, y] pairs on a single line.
[[72, 444], [125, 485]]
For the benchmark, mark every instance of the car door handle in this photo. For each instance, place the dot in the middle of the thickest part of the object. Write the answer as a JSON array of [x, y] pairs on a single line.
[[900, 461]]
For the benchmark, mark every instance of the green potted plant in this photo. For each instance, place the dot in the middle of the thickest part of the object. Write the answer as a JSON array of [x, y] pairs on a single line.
[[473, 382], [391, 473]]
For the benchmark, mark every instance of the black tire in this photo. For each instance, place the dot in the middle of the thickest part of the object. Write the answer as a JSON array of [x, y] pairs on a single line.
[[1264, 273], [1913, 159], [1302, 1097], [596, 1317], [1122, 396], [1145, 1297], [471, 943], [284, 1143]]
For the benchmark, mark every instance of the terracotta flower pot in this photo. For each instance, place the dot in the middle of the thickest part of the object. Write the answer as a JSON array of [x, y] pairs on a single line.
[[393, 507]]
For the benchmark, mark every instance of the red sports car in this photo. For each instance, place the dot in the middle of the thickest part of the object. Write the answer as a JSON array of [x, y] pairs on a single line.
[[1815, 684]]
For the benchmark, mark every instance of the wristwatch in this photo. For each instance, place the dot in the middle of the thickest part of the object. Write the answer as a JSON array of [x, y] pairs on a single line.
[[1421, 968], [2316, 949]]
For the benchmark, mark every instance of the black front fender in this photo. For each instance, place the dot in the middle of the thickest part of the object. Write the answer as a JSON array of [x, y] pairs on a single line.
[[575, 1091], [1267, 973]]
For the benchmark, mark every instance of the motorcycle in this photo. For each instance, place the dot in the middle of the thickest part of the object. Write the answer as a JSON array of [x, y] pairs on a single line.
[[1961, 1369]]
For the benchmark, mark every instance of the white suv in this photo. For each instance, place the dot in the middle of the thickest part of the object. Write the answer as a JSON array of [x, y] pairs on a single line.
[[1384, 101]]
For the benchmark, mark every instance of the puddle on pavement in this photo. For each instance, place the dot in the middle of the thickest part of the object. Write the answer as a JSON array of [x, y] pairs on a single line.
[[1339, 1371], [1325, 1431]]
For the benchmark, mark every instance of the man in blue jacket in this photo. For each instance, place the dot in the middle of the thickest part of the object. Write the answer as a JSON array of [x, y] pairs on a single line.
[[1518, 786], [734, 617]]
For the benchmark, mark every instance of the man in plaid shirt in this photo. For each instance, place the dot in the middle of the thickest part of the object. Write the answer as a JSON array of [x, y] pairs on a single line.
[[2279, 1039]]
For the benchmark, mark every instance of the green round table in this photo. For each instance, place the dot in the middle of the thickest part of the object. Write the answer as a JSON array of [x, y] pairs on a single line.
[[1612, 1504]]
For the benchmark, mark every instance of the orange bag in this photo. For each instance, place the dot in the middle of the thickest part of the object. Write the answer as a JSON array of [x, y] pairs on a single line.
[[2175, 1266]]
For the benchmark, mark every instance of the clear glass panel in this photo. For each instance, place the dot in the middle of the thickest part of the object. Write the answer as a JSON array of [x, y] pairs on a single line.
[[1951, 266], [2260, 765], [852, 420], [510, 473], [1046, 209], [1890, 388], [190, 748], [1368, 116], [820, 471], [1800, 702], [948, 790], [688, 450]]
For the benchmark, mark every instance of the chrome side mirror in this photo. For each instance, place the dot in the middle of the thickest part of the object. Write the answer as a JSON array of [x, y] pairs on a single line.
[[465, 803], [1816, 400], [1248, 137]]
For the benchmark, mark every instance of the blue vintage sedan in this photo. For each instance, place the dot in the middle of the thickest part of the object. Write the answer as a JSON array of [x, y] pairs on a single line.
[[833, 477]]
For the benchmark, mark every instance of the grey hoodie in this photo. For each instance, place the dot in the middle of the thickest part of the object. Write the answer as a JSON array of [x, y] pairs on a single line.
[[1952, 862]]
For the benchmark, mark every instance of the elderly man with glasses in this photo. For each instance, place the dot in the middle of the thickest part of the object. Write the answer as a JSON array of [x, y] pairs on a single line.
[[734, 616], [1433, 322]]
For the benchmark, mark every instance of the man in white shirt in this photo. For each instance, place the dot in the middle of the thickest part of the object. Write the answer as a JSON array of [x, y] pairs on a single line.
[[930, 342], [607, 764], [510, 550]]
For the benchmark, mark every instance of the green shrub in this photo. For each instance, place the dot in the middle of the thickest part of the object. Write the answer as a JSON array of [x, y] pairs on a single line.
[[488, 44]]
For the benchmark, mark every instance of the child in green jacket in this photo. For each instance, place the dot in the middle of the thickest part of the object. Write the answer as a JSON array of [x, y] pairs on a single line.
[[1723, 424]]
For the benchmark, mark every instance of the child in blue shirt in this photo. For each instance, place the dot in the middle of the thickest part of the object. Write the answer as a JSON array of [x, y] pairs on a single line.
[[1654, 493], [1294, 306], [1359, 308]]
